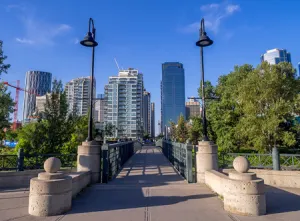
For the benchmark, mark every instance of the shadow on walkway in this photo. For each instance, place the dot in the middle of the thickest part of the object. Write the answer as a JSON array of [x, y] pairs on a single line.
[[281, 201], [147, 180]]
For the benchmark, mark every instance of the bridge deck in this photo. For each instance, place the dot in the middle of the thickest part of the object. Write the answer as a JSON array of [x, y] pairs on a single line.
[[148, 188]]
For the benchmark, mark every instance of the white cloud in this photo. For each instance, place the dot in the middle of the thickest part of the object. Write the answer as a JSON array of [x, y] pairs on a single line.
[[24, 41], [37, 31], [209, 6], [76, 41], [230, 9], [214, 15]]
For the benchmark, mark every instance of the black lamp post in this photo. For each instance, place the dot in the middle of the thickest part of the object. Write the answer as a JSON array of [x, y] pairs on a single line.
[[89, 41], [204, 41]]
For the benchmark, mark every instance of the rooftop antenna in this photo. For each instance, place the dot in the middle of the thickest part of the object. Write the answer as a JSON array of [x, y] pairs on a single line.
[[117, 64]]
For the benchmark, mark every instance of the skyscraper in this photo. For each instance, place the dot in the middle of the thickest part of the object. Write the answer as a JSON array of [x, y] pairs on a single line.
[[152, 119], [78, 94], [173, 92], [192, 108], [146, 112], [124, 109], [276, 55], [36, 83], [99, 108]]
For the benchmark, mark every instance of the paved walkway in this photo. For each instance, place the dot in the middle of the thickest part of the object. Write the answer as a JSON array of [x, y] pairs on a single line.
[[148, 189]]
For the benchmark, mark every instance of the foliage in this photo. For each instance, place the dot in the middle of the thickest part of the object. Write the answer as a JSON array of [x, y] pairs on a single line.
[[6, 103], [56, 131], [181, 130], [256, 108], [195, 130]]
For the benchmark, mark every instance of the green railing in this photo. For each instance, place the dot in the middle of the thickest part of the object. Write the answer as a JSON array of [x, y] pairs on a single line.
[[262, 161], [180, 155], [114, 156], [23, 161]]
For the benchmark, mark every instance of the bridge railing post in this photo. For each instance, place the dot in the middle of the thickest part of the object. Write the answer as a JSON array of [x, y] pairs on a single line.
[[189, 162], [105, 163], [20, 166]]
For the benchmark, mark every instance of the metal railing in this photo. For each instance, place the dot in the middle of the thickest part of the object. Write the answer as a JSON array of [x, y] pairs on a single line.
[[23, 161], [180, 155], [114, 156], [263, 161]]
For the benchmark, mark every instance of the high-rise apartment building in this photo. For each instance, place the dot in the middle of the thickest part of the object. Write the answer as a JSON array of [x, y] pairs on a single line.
[[173, 92], [147, 112], [78, 94], [124, 109], [99, 108], [276, 55], [152, 119], [36, 83], [192, 108]]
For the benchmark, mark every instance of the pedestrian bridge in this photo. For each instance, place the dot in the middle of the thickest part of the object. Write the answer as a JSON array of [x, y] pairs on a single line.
[[147, 188]]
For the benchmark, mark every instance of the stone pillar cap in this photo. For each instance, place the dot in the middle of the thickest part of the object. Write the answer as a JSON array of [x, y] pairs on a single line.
[[52, 165], [241, 164]]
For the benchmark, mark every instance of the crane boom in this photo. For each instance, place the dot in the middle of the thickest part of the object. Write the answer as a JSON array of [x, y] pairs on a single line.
[[16, 108]]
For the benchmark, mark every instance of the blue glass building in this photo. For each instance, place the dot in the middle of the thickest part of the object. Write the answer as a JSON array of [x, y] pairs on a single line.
[[275, 56], [172, 92]]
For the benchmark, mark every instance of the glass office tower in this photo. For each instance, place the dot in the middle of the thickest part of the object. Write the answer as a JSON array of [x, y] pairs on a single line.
[[172, 92], [276, 55], [36, 83]]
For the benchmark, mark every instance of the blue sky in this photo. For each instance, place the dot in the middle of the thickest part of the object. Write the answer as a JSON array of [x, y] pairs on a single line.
[[43, 35]]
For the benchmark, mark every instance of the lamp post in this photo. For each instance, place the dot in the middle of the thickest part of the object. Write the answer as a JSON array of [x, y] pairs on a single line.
[[89, 41], [204, 41]]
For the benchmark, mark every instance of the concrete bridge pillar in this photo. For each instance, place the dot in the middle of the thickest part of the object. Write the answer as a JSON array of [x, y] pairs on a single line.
[[206, 159], [88, 159]]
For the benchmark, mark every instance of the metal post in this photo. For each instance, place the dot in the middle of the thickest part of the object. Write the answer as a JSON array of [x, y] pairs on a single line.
[[105, 164], [205, 138], [275, 158], [189, 162], [20, 165]]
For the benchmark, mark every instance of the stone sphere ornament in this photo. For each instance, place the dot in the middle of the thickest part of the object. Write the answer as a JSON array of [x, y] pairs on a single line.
[[241, 164], [52, 165]]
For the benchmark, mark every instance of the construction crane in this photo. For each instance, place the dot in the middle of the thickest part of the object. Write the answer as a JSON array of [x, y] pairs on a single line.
[[18, 89]]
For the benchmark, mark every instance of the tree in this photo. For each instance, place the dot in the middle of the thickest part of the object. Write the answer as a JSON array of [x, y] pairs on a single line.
[[267, 98], [6, 103], [181, 130], [255, 109], [195, 130]]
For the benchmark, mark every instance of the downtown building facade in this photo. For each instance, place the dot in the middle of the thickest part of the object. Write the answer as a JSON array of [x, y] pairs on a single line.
[[99, 108], [152, 134], [276, 56], [192, 108], [37, 83], [124, 103], [147, 112], [78, 94], [172, 93]]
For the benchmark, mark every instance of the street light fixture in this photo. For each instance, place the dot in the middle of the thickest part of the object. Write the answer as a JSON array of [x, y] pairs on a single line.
[[204, 41], [89, 41]]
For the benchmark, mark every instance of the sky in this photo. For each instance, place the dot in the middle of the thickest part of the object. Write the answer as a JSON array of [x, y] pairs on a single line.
[[143, 34]]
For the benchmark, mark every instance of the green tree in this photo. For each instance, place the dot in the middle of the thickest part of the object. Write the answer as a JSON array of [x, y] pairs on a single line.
[[6, 103], [195, 130], [255, 109], [267, 97], [181, 130]]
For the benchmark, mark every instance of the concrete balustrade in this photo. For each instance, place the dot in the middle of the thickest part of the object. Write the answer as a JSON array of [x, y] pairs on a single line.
[[242, 191], [51, 192]]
